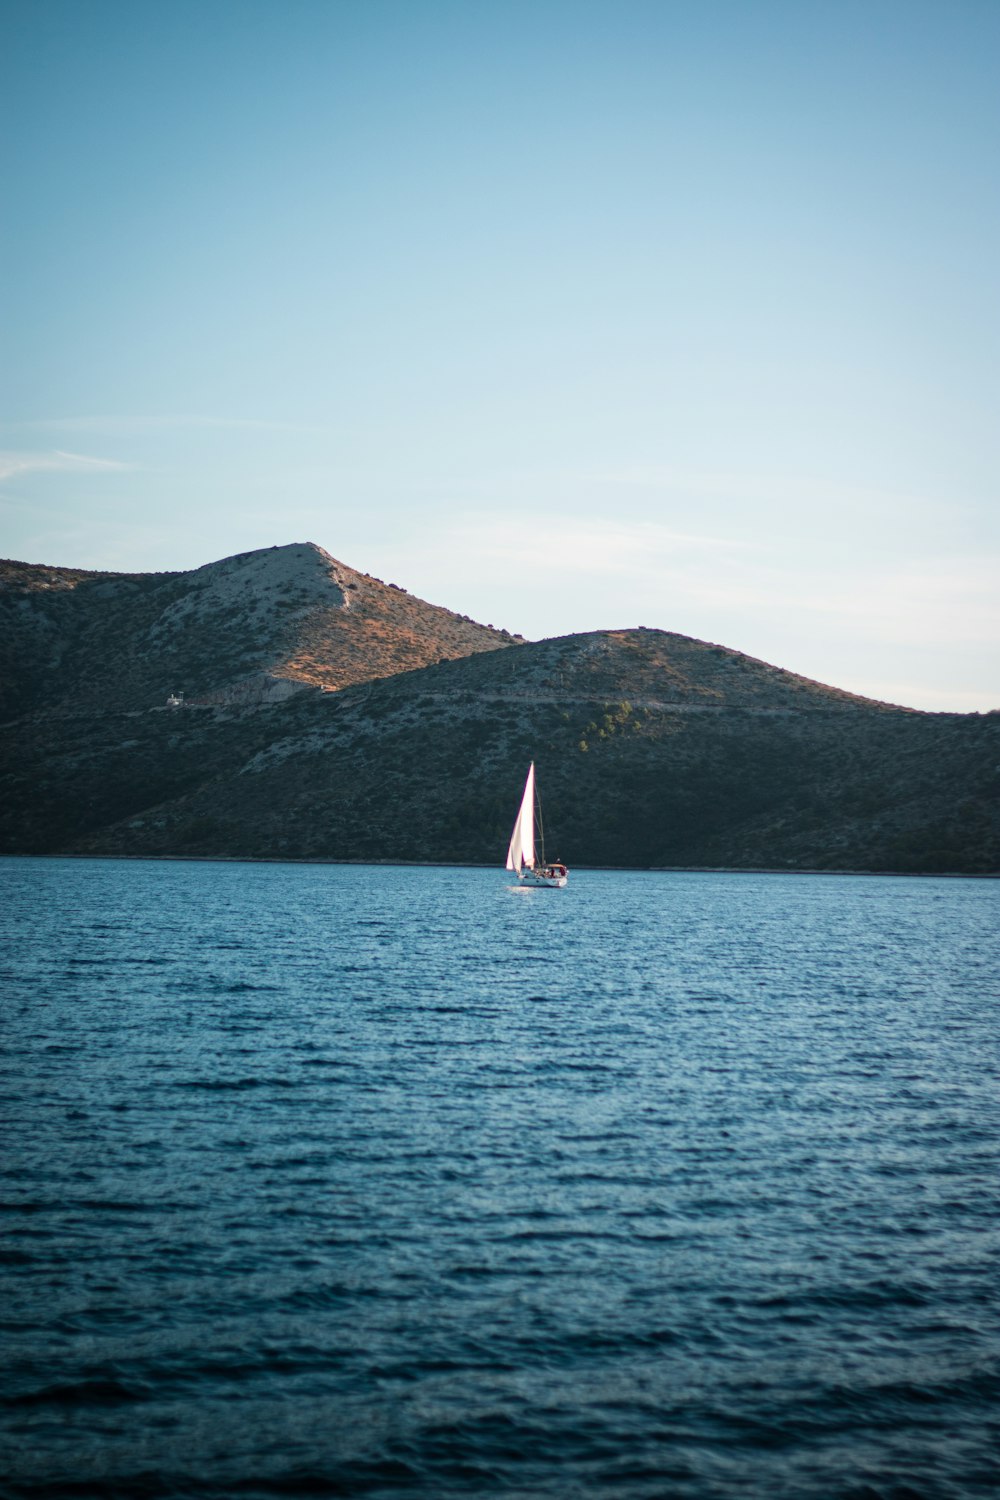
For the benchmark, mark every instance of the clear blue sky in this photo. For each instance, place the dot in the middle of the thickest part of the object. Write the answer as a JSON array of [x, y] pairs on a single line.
[[565, 315]]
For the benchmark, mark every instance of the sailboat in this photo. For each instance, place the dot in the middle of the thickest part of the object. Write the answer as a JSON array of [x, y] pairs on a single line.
[[521, 854]]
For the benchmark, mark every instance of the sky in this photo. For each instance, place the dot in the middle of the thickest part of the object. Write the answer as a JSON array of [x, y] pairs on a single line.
[[568, 315]]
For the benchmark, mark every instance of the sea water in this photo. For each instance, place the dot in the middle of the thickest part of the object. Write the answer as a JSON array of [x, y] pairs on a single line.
[[339, 1180]]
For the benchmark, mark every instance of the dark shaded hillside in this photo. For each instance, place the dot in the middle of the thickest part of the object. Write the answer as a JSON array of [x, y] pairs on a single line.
[[652, 749]]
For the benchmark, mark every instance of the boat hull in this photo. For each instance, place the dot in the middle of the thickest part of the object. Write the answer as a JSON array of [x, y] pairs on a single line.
[[533, 877]]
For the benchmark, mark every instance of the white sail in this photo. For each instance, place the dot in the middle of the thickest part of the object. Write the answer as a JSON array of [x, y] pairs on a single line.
[[522, 840]]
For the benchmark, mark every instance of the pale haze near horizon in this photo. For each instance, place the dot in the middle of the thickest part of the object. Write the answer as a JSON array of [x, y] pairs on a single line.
[[565, 316]]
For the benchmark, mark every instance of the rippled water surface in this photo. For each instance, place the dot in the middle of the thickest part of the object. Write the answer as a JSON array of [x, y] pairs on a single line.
[[365, 1181]]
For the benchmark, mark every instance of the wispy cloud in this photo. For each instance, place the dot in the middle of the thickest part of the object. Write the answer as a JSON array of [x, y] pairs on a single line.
[[148, 422], [749, 485], [948, 600], [591, 545], [13, 464], [679, 579]]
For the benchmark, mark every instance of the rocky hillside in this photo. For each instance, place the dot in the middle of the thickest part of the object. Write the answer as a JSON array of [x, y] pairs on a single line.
[[652, 749], [251, 628]]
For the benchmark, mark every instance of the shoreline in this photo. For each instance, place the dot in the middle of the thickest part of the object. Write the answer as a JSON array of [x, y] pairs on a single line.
[[430, 864]]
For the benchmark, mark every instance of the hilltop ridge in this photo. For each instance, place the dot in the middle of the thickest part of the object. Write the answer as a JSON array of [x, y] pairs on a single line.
[[250, 628], [654, 668]]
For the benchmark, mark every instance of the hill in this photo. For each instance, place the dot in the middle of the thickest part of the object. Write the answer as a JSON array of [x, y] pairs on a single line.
[[250, 628], [652, 748]]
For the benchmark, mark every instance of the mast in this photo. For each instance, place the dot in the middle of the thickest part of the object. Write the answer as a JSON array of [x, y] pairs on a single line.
[[541, 830]]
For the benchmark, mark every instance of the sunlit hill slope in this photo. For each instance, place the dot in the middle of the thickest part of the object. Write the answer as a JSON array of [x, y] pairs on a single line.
[[251, 628]]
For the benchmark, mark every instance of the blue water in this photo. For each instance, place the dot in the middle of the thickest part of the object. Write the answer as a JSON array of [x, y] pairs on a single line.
[[400, 1182]]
